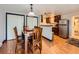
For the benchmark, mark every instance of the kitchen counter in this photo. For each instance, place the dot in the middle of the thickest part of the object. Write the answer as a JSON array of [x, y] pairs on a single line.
[[47, 31]]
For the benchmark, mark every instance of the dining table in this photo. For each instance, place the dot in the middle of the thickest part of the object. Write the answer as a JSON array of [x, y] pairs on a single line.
[[27, 34]]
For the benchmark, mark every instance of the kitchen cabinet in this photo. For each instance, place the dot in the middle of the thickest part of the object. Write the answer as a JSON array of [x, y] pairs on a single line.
[[56, 28]]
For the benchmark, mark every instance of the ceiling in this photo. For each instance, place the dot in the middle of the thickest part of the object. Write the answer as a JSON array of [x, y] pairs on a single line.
[[42, 8]]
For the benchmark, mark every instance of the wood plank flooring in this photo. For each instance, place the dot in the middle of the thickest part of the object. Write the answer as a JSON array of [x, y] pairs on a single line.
[[59, 46], [56, 46]]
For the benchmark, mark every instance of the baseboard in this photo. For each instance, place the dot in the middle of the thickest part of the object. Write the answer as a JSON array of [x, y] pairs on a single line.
[[46, 38]]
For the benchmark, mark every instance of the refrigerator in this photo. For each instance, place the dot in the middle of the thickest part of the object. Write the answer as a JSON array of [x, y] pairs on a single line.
[[64, 28]]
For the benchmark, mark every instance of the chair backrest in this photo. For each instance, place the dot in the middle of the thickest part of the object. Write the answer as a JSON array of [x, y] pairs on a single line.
[[16, 33], [21, 42], [38, 33], [38, 36]]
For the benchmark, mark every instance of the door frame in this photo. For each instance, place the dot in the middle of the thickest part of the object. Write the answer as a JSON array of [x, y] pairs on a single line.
[[7, 13]]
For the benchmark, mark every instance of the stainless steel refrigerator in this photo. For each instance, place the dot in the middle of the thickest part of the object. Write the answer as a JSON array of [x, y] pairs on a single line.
[[64, 28]]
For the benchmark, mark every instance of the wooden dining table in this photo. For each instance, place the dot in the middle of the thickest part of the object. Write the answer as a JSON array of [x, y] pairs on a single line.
[[27, 34]]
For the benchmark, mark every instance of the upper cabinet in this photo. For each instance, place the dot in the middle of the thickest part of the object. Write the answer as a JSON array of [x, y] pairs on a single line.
[[50, 19], [47, 18], [41, 18], [57, 18], [56, 22]]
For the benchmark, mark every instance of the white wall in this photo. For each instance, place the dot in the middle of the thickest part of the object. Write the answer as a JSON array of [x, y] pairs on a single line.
[[69, 17], [2, 25]]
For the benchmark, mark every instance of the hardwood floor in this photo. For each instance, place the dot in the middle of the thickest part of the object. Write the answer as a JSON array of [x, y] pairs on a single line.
[[56, 46]]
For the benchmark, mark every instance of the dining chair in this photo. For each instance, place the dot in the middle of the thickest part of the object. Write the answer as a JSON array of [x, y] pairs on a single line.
[[30, 44], [20, 42], [34, 44], [37, 41]]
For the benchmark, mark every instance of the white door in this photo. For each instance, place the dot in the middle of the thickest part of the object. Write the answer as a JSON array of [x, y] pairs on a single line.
[[12, 21]]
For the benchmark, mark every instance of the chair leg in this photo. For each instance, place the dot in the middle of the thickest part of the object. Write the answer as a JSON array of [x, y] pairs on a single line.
[[40, 50], [16, 51]]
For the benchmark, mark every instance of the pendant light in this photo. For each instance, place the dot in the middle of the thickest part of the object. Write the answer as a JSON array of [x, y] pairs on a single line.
[[31, 13]]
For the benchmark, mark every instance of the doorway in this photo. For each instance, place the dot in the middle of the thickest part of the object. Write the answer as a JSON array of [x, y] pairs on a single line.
[[13, 20]]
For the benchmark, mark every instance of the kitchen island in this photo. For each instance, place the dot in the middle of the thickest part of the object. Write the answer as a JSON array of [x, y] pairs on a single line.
[[47, 31]]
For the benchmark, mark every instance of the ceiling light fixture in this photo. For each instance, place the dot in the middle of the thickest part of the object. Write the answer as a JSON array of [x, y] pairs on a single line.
[[31, 13]]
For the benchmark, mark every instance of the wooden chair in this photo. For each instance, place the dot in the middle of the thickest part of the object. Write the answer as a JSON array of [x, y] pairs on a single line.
[[37, 41], [20, 42], [30, 45]]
